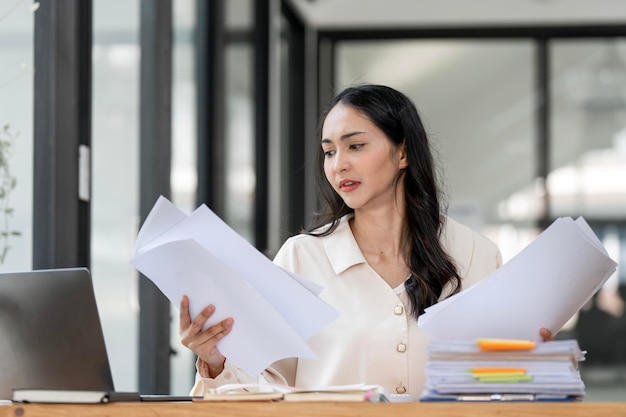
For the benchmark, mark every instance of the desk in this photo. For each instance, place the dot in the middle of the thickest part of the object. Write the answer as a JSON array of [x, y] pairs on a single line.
[[268, 409]]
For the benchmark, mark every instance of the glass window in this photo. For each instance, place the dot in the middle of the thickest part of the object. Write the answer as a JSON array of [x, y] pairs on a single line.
[[239, 121], [115, 195], [587, 178], [184, 173], [240, 174], [476, 101], [588, 153], [16, 135]]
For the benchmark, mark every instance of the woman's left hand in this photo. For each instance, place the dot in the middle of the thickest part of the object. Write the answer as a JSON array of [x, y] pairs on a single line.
[[546, 334]]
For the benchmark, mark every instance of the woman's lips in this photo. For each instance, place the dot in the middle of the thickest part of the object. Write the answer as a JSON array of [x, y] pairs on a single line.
[[348, 185]]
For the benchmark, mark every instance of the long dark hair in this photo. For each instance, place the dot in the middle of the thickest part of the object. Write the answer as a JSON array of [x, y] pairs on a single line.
[[396, 115]]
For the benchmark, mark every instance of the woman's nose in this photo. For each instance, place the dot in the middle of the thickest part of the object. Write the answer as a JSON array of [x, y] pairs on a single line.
[[341, 162]]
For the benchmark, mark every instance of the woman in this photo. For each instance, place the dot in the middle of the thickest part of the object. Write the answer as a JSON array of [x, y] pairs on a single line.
[[382, 250]]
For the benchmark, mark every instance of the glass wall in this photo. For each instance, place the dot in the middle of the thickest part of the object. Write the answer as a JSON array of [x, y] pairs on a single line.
[[16, 135], [588, 178], [476, 101], [588, 152], [240, 175], [184, 174], [115, 205], [115, 196], [239, 118]]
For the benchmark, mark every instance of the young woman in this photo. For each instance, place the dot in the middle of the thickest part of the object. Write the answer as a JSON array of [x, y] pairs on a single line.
[[382, 250]]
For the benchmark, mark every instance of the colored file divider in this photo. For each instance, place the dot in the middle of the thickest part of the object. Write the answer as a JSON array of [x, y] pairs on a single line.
[[505, 378], [504, 344]]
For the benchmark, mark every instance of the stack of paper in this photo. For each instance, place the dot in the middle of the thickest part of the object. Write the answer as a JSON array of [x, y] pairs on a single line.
[[198, 255], [542, 286], [503, 369]]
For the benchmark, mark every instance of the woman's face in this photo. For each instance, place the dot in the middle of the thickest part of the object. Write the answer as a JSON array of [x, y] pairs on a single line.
[[360, 161]]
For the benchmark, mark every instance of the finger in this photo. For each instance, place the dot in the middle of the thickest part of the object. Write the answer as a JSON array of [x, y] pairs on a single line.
[[198, 323], [193, 335], [216, 332], [546, 334], [221, 329], [184, 317], [226, 328], [207, 340]]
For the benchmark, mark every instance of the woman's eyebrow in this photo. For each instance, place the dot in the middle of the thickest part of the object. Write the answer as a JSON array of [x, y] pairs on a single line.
[[344, 136]]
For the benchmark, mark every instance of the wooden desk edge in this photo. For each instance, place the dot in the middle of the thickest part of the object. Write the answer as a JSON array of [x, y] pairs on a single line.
[[336, 409]]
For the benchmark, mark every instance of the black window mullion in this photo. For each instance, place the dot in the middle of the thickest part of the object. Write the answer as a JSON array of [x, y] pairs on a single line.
[[61, 221], [296, 133], [261, 122], [542, 126], [210, 78], [155, 168]]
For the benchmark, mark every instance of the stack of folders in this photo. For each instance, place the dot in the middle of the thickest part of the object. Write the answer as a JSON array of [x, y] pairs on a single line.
[[503, 370]]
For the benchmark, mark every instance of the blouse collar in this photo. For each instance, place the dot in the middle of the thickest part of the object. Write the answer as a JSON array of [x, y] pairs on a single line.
[[341, 247], [343, 251]]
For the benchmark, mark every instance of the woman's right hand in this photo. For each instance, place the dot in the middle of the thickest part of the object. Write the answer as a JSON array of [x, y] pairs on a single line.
[[204, 342]]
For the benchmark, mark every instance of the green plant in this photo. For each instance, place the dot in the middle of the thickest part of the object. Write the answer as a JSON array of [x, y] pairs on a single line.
[[7, 183]]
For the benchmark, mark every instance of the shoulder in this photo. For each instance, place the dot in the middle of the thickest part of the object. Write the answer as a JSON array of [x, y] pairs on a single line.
[[475, 255], [459, 237], [318, 238], [297, 249], [334, 252], [298, 242]]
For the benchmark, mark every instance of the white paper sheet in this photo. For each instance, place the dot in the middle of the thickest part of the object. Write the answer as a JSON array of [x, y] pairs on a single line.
[[543, 286], [198, 255]]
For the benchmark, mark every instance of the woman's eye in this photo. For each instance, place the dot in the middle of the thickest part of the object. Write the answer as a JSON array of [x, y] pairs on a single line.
[[356, 146], [329, 153]]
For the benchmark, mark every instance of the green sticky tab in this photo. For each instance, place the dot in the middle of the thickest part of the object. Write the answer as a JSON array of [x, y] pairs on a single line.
[[505, 378]]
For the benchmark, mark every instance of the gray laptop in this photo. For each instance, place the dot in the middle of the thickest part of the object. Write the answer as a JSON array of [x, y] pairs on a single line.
[[50, 332]]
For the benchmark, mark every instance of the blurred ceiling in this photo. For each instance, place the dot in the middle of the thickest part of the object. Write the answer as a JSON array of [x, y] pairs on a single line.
[[333, 14]]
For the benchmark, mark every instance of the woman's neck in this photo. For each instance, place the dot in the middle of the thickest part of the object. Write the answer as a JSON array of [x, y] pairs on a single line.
[[378, 229], [380, 241], [379, 234]]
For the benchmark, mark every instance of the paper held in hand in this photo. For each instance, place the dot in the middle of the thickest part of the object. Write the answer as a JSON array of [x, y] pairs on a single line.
[[200, 256], [542, 286]]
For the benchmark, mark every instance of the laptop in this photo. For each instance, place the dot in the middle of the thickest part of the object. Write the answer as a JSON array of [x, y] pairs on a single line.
[[51, 338], [50, 332]]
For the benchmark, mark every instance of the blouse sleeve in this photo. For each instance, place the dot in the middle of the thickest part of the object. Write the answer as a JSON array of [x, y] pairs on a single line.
[[234, 375]]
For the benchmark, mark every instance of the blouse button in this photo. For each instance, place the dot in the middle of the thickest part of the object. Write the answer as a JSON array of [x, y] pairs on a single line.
[[400, 389], [228, 375], [398, 310], [401, 347]]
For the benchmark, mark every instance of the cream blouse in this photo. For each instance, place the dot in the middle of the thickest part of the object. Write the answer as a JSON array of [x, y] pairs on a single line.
[[375, 340]]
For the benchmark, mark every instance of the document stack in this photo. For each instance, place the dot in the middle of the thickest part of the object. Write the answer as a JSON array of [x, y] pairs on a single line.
[[501, 370]]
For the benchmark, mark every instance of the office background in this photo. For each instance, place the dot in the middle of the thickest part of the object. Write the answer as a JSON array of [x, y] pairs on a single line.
[[105, 104]]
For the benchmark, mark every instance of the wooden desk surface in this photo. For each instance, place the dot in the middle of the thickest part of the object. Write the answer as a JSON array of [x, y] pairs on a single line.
[[269, 409]]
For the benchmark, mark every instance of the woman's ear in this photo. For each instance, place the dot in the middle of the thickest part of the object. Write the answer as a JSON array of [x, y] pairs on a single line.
[[404, 160]]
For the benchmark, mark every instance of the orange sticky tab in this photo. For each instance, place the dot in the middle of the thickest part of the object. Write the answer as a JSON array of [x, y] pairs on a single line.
[[504, 344], [509, 371]]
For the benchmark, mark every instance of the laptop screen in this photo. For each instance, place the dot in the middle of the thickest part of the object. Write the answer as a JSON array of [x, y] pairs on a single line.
[[50, 332]]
